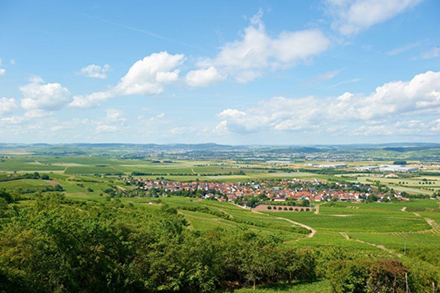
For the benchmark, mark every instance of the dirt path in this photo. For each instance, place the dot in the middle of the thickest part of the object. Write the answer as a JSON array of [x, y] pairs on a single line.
[[435, 227], [313, 231], [51, 182], [225, 212], [194, 172], [380, 246], [317, 209], [302, 225], [121, 188]]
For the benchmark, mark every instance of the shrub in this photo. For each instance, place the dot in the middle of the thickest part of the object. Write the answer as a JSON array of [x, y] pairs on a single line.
[[367, 275]]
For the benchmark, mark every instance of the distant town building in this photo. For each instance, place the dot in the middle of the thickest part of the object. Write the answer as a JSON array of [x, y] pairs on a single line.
[[367, 168], [332, 166], [397, 168]]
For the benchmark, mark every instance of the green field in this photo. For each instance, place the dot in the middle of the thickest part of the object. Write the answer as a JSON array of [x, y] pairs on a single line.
[[407, 230]]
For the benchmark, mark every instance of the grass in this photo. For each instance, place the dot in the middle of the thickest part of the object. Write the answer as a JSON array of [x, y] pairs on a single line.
[[24, 184], [322, 286], [372, 221]]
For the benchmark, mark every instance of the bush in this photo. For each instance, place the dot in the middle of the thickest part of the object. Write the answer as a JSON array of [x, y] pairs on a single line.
[[367, 275]]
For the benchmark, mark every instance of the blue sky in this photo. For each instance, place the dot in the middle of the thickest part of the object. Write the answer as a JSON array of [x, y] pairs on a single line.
[[231, 72]]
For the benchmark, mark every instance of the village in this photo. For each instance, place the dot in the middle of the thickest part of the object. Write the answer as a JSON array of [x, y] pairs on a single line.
[[288, 192]]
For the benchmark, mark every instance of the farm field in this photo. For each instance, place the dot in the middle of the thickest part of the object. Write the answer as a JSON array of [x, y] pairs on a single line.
[[337, 224], [407, 230]]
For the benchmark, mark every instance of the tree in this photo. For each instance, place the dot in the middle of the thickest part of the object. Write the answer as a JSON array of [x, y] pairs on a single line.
[[6, 196]]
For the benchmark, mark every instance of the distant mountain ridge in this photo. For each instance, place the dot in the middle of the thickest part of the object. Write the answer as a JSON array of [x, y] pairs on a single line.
[[396, 147]]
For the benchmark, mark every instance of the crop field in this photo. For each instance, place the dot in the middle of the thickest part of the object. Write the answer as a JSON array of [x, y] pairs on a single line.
[[403, 230], [24, 183], [349, 225]]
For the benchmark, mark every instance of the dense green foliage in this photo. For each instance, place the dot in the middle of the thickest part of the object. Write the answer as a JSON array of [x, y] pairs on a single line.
[[58, 245], [54, 244]]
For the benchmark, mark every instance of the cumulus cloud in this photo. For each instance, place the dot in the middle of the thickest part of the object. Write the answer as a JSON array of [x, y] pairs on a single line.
[[246, 58], [419, 96], [91, 100], [42, 96], [95, 71], [146, 76], [7, 106], [203, 77], [353, 16]]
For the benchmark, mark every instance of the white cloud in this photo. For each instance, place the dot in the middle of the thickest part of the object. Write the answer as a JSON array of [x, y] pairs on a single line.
[[115, 115], [183, 130], [146, 76], [246, 58], [411, 128], [91, 100], [12, 61], [106, 128], [2, 71], [39, 95], [7, 106], [221, 128], [36, 114], [165, 77], [352, 16], [203, 77], [14, 120], [1, 61], [431, 53], [95, 71], [419, 96]]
